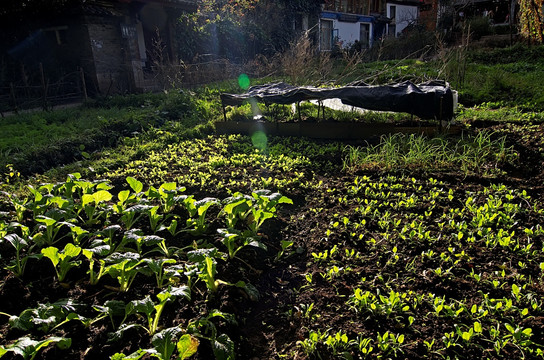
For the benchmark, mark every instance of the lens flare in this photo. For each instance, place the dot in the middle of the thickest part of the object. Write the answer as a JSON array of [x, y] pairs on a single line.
[[243, 81], [260, 140]]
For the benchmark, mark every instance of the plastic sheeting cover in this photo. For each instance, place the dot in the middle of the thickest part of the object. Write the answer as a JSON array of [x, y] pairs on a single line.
[[429, 100]]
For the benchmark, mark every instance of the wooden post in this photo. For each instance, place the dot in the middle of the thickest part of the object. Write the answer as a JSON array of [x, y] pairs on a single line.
[[25, 80], [83, 84], [44, 87], [12, 90]]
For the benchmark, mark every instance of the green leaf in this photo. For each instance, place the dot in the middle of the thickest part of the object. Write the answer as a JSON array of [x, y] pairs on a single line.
[[123, 195], [171, 186], [164, 342], [118, 257], [145, 306], [112, 308], [139, 208], [103, 185], [515, 290], [136, 185], [86, 199], [187, 346], [71, 250], [477, 327], [15, 240], [46, 220], [156, 264], [118, 335], [150, 240], [183, 291], [134, 356], [28, 348], [510, 328], [52, 253], [223, 348], [101, 196], [285, 200], [249, 289]]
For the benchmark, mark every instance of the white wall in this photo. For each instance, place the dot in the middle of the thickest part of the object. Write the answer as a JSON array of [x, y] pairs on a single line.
[[349, 32], [405, 14]]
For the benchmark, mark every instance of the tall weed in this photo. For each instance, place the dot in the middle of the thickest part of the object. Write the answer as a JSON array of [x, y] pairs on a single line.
[[480, 153], [302, 64]]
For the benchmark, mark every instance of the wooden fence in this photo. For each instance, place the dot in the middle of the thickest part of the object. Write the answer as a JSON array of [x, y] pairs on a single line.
[[44, 94]]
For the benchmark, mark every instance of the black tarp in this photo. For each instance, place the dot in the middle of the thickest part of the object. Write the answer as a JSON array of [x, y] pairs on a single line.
[[430, 100]]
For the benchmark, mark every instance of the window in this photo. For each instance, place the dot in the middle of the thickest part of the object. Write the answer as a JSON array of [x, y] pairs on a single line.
[[392, 27], [392, 12], [364, 36], [326, 35]]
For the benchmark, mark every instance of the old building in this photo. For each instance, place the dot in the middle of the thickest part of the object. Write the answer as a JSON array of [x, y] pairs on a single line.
[[118, 43], [347, 23], [403, 13]]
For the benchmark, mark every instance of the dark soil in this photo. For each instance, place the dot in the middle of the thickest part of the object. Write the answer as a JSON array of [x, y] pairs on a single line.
[[269, 328]]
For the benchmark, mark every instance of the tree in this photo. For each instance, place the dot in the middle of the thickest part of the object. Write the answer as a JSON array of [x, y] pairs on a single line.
[[239, 30], [531, 20]]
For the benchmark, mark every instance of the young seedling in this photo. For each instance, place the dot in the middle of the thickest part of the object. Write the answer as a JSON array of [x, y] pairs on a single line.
[[49, 230], [157, 266], [264, 208], [124, 268], [91, 204], [152, 310], [94, 277], [133, 214], [236, 240], [285, 244], [62, 260], [29, 348], [19, 263], [222, 345], [110, 309], [43, 317], [197, 213]]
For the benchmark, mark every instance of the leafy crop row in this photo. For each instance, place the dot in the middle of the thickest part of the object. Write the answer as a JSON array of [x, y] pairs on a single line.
[[415, 259], [95, 237]]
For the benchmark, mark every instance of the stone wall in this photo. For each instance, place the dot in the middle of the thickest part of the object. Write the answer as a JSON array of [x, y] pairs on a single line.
[[109, 55]]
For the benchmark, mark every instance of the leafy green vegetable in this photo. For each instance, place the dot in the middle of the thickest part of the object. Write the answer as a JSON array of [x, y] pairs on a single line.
[[29, 348], [187, 346], [62, 260]]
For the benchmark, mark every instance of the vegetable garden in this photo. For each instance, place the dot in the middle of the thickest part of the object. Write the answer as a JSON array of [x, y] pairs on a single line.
[[176, 243]]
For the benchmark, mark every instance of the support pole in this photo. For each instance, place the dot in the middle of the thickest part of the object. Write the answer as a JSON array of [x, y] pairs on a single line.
[[83, 84], [44, 87], [13, 97]]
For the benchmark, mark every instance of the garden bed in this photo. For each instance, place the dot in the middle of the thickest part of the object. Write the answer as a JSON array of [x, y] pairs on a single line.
[[419, 261], [330, 129]]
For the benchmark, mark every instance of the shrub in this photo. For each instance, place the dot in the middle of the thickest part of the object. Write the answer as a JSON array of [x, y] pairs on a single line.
[[479, 26]]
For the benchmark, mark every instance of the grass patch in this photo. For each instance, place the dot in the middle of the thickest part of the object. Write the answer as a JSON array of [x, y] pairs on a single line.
[[481, 154]]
